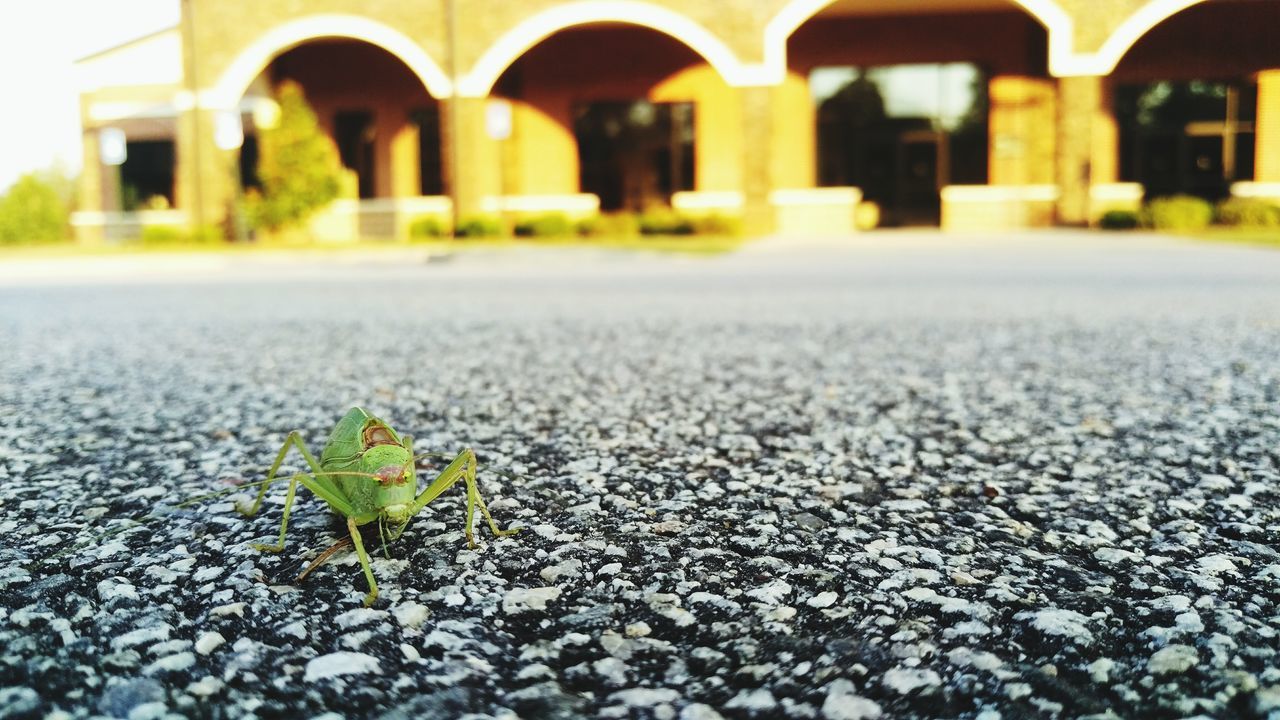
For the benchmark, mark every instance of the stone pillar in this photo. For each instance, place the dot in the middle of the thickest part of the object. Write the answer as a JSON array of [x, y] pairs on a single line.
[[1267, 158], [206, 178], [404, 163], [1078, 101], [1021, 130], [92, 185], [794, 134], [470, 161], [1105, 162], [758, 164]]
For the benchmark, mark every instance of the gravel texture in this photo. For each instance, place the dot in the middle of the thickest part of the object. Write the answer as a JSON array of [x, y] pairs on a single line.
[[902, 477]]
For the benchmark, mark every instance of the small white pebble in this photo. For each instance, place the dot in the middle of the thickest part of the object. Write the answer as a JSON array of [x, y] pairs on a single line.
[[206, 686], [208, 642], [340, 663], [822, 600], [411, 614], [236, 608]]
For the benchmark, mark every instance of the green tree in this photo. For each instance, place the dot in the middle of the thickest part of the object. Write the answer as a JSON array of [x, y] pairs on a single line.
[[34, 210], [298, 167]]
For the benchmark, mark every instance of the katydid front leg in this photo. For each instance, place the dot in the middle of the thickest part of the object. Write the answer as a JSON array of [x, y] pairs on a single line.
[[463, 467], [295, 439], [364, 561], [317, 483]]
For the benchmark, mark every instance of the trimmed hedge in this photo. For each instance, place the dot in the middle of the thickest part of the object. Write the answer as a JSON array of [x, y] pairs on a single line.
[[549, 225], [664, 222], [1179, 213], [478, 226], [1119, 220], [426, 228], [610, 225], [1247, 212], [162, 235]]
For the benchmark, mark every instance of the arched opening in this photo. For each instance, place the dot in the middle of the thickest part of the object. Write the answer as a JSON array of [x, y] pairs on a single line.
[[1188, 99], [621, 112], [383, 122], [904, 102]]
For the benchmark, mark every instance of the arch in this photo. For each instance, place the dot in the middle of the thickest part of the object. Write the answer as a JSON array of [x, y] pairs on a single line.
[[795, 13], [516, 41], [1124, 37], [254, 59]]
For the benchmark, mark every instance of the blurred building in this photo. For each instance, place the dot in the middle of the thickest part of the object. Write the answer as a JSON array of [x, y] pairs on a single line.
[[962, 113]]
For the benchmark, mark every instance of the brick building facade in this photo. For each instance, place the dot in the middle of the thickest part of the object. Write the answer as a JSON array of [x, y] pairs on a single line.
[[964, 113]]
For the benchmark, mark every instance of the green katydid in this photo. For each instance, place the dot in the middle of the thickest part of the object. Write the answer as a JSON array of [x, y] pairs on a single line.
[[367, 473]]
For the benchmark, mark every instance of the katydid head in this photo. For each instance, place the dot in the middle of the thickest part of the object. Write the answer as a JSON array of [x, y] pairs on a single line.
[[380, 461], [392, 468]]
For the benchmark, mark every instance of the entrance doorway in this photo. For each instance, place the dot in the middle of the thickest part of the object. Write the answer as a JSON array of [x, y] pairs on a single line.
[[634, 154], [354, 135], [901, 133]]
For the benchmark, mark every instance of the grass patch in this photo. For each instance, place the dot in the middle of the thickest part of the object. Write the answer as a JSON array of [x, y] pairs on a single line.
[[1262, 237], [681, 244]]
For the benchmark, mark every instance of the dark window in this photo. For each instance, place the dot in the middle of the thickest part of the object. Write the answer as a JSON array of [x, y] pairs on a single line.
[[1193, 137], [147, 174], [354, 131], [635, 154], [430, 167], [249, 163]]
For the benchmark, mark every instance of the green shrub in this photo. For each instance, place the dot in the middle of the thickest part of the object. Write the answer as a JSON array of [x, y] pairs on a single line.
[[717, 225], [1179, 213], [425, 228], [1119, 220], [549, 225], [1247, 212], [664, 222], [298, 167], [622, 224], [478, 226], [33, 211], [866, 216]]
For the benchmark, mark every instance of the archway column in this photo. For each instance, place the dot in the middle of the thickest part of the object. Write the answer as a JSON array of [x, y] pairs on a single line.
[[470, 157], [1079, 102], [205, 178], [1022, 134], [1267, 148], [1106, 138], [758, 160]]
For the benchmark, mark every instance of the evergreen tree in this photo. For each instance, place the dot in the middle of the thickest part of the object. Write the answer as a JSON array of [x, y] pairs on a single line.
[[298, 167]]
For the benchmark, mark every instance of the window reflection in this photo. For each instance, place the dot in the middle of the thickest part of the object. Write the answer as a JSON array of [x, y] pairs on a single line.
[[1193, 137], [901, 133], [634, 155]]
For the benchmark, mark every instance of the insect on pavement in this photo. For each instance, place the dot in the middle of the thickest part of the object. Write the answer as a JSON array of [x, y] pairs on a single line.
[[367, 473]]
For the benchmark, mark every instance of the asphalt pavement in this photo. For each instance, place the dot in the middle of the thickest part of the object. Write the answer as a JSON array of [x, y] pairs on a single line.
[[904, 475]]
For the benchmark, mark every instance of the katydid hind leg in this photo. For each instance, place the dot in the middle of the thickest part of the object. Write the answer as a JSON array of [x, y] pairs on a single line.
[[323, 557]]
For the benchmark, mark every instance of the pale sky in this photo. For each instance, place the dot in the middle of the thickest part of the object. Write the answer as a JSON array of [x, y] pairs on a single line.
[[39, 41]]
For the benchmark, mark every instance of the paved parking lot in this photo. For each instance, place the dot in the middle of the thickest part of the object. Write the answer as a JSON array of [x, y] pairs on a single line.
[[907, 475]]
